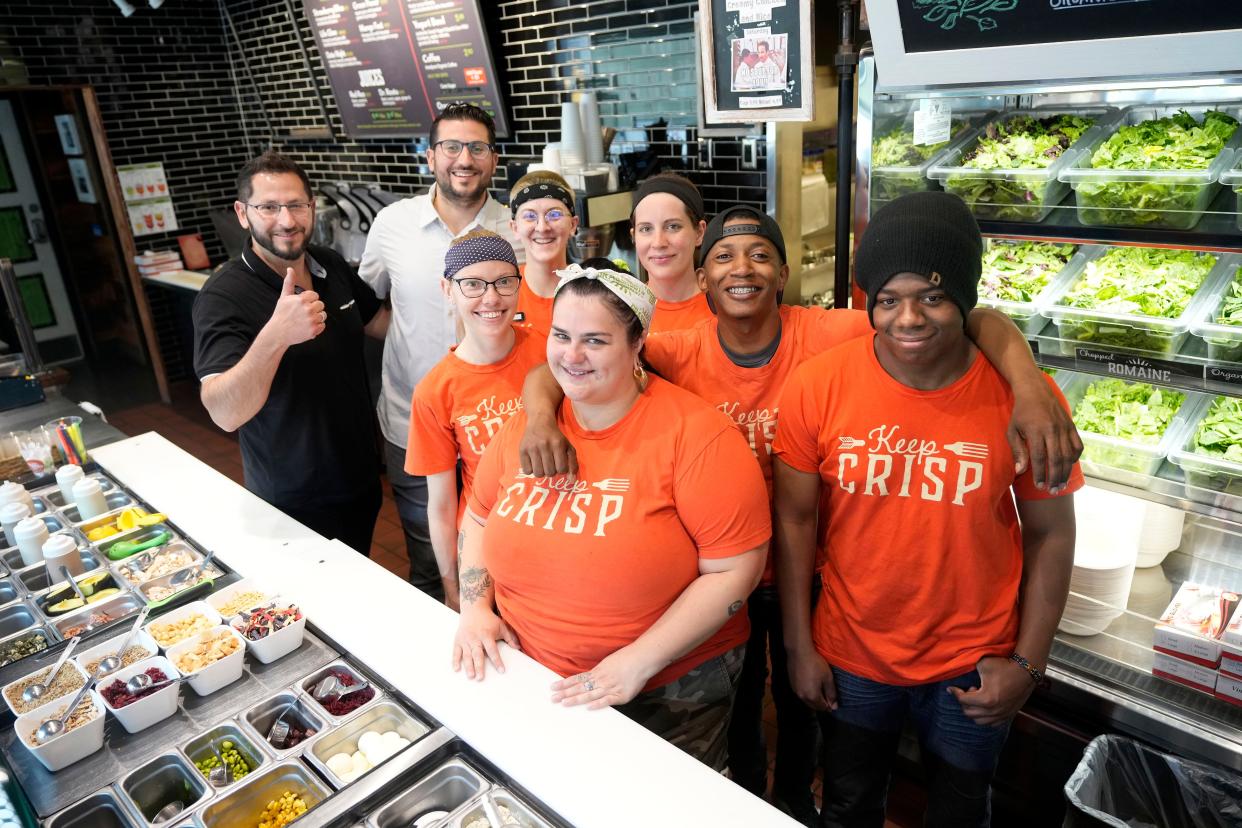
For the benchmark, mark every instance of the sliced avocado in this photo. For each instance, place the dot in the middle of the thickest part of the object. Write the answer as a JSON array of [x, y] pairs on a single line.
[[67, 605], [102, 594], [87, 585]]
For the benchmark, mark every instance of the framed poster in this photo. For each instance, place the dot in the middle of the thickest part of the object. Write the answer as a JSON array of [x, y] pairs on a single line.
[[926, 43], [758, 60]]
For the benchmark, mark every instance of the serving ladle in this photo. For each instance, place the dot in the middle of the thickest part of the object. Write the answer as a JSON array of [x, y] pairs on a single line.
[[35, 691], [142, 682], [51, 728], [110, 663]]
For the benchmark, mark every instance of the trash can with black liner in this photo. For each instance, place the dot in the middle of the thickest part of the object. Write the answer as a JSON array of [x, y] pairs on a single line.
[[1123, 783]]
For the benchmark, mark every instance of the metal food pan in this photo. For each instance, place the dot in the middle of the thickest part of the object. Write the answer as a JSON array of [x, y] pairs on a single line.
[[444, 790], [259, 719], [524, 815], [165, 779], [308, 684], [103, 809], [118, 606], [200, 747], [53, 495], [9, 591], [126, 569], [35, 578], [114, 501], [139, 534], [243, 805], [381, 716], [45, 633], [62, 592], [17, 618], [12, 557], [150, 587]]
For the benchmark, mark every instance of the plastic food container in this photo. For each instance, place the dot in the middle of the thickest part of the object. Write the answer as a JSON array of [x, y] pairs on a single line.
[[180, 614], [219, 673], [149, 710], [1115, 458], [1173, 199], [69, 746], [245, 803], [1150, 334], [1232, 177], [219, 601], [1021, 193], [1026, 315], [1224, 342], [46, 698], [142, 639], [891, 181], [1204, 471], [278, 644]]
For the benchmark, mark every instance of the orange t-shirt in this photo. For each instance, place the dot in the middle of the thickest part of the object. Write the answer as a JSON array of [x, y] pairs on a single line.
[[584, 569], [536, 310], [677, 316], [750, 397], [458, 407], [924, 550]]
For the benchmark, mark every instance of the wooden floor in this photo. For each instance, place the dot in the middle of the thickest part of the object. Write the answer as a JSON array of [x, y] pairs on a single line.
[[187, 424]]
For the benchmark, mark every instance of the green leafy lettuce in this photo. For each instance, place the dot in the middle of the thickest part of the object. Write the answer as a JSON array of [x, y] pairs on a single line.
[[1219, 437], [1019, 142], [1230, 312], [1019, 271], [1134, 411], [1175, 142], [896, 148]]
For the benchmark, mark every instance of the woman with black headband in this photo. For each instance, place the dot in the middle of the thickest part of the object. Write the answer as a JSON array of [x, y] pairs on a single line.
[[667, 225], [543, 221]]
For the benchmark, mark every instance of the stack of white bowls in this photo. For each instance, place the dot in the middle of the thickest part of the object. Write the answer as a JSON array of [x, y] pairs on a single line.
[[573, 144], [1162, 533], [1109, 532]]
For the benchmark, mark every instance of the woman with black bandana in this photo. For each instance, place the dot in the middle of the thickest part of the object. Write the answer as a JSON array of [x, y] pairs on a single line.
[[543, 221], [667, 225]]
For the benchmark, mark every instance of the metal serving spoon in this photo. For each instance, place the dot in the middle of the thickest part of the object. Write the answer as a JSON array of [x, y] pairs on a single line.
[[51, 728], [68, 576], [192, 573], [331, 688], [221, 774], [36, 691], [109, 663], [142, 682], [169, 811]]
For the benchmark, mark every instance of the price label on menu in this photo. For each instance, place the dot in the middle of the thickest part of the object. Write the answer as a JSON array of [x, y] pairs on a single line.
[[1225, 374], [931, 121], [1138, 368]]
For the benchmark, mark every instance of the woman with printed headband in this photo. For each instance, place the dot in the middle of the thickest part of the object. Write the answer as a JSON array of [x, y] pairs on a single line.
[[667, 224], [629, 580], [543, 221], [461, 402]]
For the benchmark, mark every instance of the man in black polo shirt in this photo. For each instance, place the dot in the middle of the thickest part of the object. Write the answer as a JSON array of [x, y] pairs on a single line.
[[278, 338]]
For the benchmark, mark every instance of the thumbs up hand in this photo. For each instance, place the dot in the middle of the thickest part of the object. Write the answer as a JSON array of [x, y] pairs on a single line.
[[298, 316]]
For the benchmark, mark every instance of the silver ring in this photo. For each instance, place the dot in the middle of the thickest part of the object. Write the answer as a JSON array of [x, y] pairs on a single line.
[[588, 685]]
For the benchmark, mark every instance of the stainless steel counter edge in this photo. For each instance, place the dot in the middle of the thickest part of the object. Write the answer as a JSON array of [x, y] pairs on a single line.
[[572, 759]]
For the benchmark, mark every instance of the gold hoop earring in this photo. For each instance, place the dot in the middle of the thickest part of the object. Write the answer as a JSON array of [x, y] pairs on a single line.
[[640, 376]]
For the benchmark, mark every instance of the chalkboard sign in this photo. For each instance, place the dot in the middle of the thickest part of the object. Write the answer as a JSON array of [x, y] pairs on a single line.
[[394, 64], [935, 25], [757, 60]]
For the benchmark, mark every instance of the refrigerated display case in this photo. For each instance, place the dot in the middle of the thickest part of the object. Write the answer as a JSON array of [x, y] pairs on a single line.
[[1111, 681]]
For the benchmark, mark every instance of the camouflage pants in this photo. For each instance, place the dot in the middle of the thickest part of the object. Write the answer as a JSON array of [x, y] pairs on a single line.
[[692, 712]]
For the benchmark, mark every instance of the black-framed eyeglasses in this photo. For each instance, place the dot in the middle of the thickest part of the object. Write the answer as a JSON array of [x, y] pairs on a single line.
[[474, 288], [451, 148], [270, 210]]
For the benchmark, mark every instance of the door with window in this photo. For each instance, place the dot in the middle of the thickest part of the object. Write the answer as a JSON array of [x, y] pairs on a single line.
[[24, 240]]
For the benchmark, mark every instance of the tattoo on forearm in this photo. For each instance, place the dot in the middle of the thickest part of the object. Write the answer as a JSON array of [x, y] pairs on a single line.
[[461, 542], [475, 582], [734, 607]]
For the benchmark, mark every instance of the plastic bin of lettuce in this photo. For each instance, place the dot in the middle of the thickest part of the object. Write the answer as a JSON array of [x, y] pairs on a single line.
[[1009, 169], [1160, 166], [1220, 323], [1019, 275], [1137, 298], [1127, 428], [899, 166], [1210, 452], [1232, 177]]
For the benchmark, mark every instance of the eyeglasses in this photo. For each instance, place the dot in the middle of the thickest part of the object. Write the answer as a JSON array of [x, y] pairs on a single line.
[[478, 149], [271, 210], [474, 288], [553, 216]]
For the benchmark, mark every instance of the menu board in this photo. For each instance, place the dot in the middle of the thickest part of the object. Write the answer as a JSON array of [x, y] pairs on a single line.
[[935, 25], [394, 64]]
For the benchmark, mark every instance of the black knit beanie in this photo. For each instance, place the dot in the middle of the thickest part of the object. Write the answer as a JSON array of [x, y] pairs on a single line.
[[932, 234]]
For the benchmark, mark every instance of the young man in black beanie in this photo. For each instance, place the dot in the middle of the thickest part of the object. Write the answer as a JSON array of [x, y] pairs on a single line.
[[937, 604]]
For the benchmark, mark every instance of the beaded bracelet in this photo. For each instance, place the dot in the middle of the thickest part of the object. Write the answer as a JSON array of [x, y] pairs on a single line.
[[1037, 675]]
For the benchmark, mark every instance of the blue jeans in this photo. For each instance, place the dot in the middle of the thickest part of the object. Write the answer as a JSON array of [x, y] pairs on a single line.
[[410, 494], [860, 743]]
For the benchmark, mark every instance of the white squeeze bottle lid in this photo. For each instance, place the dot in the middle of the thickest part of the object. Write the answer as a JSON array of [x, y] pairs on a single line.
[[29, 535], [66, 476], [11, 492], [10, 515], [58, 551], [89, 497]]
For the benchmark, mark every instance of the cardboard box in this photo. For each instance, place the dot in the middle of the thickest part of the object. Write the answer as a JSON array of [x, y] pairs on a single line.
[[1229, 688], [1190, 628], [1194, 676], [1231, 646]]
